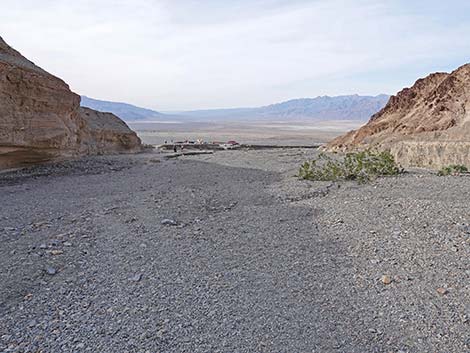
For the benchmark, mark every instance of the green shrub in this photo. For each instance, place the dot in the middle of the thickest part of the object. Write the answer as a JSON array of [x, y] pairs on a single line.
[[452, 170], [361, 166]]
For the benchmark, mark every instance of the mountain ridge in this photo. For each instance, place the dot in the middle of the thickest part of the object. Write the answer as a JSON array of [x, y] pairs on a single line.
[[345, 107], [128, 111]]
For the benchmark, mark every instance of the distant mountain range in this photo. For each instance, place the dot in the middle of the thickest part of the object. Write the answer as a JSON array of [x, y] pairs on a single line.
[[127, 112], [353, 107]]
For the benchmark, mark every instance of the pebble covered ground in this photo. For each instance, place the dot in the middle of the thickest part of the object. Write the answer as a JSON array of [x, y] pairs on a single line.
[[231, 253]]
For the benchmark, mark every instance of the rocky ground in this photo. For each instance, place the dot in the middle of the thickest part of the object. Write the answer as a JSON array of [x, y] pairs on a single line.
[[230, 253]]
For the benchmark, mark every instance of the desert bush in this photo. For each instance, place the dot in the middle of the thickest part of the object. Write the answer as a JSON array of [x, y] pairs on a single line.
[[452, 170], [361, 166]]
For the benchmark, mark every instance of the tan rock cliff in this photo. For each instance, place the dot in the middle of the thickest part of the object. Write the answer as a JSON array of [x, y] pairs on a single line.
[[41, 119]]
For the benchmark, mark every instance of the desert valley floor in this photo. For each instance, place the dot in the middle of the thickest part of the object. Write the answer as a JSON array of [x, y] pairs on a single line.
[[230, 253]]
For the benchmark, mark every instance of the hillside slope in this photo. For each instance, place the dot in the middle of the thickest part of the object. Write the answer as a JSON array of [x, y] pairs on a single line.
[[427, 125]]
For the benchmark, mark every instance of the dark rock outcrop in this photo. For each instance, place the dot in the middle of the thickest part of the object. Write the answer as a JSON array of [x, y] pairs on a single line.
[[427, 125]]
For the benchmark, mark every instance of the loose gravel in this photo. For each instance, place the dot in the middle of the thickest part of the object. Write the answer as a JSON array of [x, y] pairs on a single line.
[[230, 253]]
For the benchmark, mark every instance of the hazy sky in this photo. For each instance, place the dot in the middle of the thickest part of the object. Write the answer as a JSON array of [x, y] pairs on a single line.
[[187, 54]]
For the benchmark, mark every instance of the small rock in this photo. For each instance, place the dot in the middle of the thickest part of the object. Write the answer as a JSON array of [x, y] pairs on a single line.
[[169, 222], [51, 271], [131, 220], [67, 243], [39, 224], [161, 333], [386, 280], [464, 228], [137, 277], [442, 291], [56, 252]]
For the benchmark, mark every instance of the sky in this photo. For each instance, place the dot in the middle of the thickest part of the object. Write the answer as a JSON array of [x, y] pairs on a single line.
[[196, 54]]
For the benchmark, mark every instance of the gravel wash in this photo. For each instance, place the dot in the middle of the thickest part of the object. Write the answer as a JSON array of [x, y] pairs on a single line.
[[231, 253]]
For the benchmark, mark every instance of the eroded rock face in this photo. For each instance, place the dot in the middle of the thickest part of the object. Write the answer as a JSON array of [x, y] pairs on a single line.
[[41, 119], [427, 125], [105, 133]]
